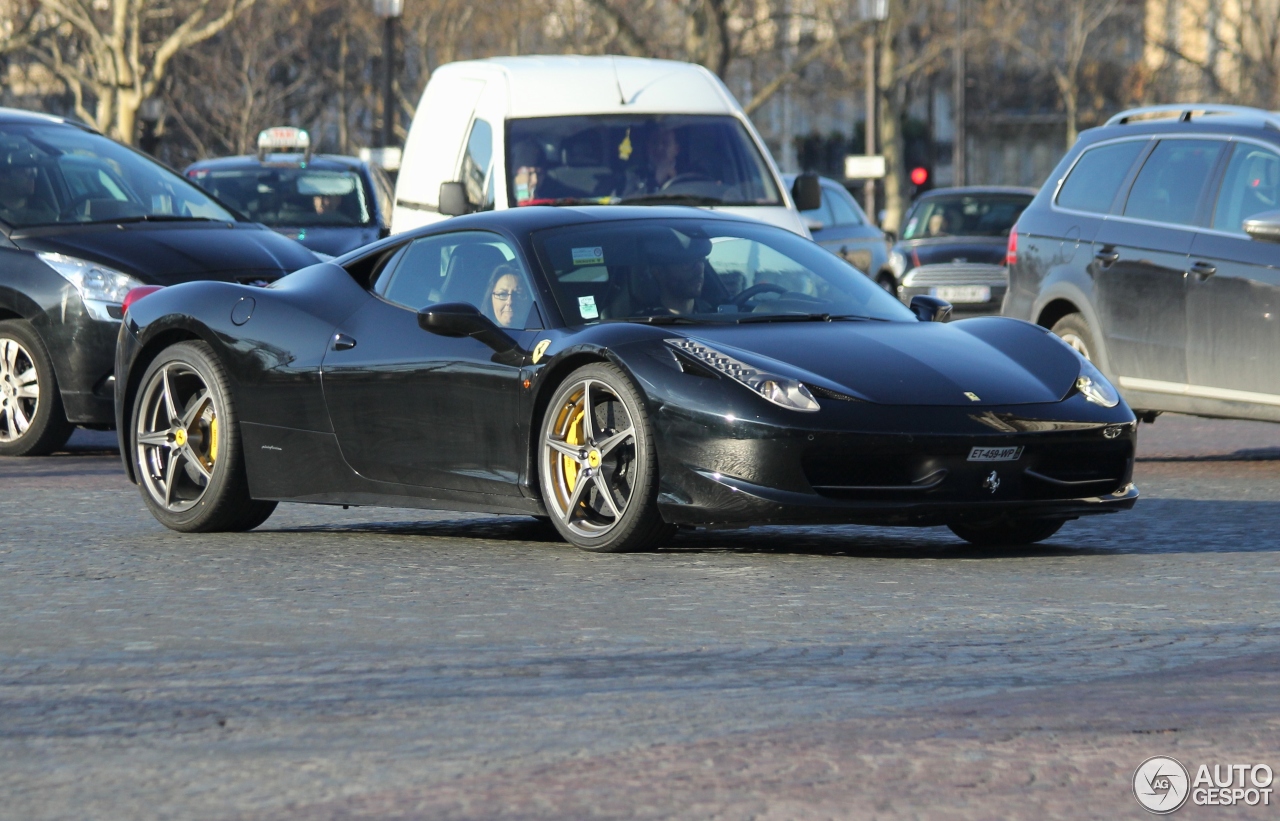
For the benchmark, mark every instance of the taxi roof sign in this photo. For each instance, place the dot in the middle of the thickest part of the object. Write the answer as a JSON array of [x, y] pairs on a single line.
[[284, 139]]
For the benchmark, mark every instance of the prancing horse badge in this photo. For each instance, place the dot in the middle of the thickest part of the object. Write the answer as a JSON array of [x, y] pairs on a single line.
[[993, 482]]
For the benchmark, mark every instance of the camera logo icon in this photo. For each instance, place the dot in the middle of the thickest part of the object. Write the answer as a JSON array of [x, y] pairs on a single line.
[[1161, 784]]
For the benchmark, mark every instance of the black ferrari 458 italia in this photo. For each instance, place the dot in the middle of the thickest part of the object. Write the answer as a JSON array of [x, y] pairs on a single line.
[[618, 371]]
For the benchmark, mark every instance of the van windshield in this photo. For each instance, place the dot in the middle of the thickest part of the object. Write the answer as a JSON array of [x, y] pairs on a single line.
[[636, 159]]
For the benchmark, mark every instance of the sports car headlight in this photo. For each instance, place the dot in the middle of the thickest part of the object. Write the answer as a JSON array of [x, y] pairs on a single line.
[[1095, 386], [780, 390], [99, 286]]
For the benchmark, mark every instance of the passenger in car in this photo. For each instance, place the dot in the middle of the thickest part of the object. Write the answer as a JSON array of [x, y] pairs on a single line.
[[18, 202], [507, 297]]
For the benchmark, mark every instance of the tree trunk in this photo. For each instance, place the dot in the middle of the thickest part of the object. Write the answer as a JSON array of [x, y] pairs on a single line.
[[891, 92], [1071, 101], [126, 122]]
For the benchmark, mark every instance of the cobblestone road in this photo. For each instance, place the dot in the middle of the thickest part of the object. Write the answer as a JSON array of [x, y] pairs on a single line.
[[376, 663]]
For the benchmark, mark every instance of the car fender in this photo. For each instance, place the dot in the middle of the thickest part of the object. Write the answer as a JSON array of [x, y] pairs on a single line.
[[1063, 285]]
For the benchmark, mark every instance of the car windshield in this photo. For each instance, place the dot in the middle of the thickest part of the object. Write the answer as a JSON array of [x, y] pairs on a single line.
[[969, 215], [51, 174], [290, 196], [691, 270], [641, 158]]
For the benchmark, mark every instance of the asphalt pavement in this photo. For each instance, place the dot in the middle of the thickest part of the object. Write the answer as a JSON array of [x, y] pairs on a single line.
[[377, 663]]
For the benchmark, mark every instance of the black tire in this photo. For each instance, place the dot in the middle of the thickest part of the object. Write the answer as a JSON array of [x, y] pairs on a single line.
[[1075, 331], [187, 452], [1008, 533], [617, 455], [29, 426]]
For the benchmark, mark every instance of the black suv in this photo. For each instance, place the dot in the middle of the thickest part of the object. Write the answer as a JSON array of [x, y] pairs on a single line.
[[1152, 250], [84, 220]]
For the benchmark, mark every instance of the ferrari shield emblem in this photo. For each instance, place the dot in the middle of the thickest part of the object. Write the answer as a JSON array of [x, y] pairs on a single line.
[[540, 349]]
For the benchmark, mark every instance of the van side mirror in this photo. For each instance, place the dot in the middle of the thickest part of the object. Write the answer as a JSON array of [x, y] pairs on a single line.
[[930, 308], [1264, 227], [807, 192], [463, 319], [453, 199]]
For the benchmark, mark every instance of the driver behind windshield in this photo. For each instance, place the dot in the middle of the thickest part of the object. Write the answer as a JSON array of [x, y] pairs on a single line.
[[18, 201], [677, 266], [662, 149]]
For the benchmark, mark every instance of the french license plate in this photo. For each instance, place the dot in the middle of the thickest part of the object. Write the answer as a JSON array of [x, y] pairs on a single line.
[[995, 454], [962, 293]]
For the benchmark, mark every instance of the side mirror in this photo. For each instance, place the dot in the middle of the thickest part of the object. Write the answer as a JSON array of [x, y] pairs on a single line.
[[1264, 227], [462, 319], [807, 192], [453, 199], [930, 308]]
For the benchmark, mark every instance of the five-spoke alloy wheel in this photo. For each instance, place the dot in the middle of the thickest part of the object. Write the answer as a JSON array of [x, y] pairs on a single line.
[[32, 421], [597, 464], [186, 445]]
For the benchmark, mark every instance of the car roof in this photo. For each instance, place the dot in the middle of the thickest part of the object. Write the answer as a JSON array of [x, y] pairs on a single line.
[[17, 116], [565, 85], [320, 162], [1262, 124]]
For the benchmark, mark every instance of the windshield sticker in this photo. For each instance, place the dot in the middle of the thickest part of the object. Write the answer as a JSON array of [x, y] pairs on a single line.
[[588, 256], [587, 307], [624, 147]]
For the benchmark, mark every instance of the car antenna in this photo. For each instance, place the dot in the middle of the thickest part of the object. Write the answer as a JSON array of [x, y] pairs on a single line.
[[617, 81]]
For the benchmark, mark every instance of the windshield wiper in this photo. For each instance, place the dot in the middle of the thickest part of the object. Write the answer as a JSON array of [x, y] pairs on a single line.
[[785, 318], [674, 199], [162, 218], [660, 319]]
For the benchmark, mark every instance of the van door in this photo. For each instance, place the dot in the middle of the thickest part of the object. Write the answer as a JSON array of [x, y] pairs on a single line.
[[433, 149], [1233, 287], [1140, 263]]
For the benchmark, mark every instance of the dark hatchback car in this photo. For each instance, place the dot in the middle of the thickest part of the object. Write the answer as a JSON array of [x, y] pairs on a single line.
[[331, 204], [953, 247], [83, 220], [1153, 250], [841, 226]]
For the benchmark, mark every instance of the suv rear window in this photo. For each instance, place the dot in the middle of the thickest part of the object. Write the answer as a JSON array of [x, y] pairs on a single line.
[[1097, 176]]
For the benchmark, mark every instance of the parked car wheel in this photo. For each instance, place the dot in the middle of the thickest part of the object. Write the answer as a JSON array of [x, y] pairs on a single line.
[[1006, 533], [32, 420], [599, 468], [1075, 331], [186, 445]]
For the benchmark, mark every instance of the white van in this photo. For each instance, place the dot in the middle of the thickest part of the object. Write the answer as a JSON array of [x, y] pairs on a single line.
[[564, 130]]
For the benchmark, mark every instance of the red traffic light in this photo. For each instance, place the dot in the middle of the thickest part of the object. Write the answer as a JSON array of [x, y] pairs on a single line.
[[919, 175]]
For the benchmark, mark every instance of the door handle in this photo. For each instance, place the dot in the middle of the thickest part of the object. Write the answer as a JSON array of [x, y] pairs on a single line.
[[1107, 255], [342, 342], [1204, 269]]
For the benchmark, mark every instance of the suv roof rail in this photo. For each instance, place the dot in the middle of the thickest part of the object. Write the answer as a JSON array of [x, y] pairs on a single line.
[[1184, 112]]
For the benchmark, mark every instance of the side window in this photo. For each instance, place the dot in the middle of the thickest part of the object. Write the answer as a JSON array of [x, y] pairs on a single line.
[[475, 165], [1250, 186], [843, 208], [823, 212], [478, 268], [1172, 179], [1098, 175]]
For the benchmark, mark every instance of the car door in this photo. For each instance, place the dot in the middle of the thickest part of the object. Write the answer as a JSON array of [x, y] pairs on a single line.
[[1233, 289], [416, 408], [1140, 263]]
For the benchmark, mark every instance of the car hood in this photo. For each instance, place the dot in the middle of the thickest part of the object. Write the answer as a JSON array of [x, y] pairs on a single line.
[[1000, 361], [169, 253], [329, 240], [990, 250]]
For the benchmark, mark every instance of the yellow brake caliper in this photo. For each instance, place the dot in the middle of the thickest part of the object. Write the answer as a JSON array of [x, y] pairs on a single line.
[[572, 437], [213, 440]]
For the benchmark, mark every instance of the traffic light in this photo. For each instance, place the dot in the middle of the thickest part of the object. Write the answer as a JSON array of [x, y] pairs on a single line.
[[919, 176]]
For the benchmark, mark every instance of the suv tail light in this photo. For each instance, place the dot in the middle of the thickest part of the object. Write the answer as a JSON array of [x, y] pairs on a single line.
[[1011, 253], [138, 293]]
